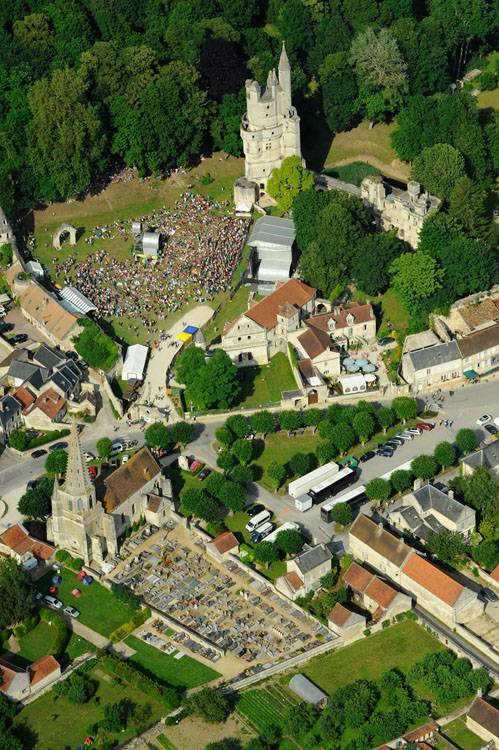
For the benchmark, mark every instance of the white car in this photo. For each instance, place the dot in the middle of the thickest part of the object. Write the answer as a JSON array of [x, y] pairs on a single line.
[[52, 602], [484, 419], [72, 612]]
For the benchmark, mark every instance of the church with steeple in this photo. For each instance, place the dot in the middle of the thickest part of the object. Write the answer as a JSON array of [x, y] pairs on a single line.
[[88, 521], [270, 127]]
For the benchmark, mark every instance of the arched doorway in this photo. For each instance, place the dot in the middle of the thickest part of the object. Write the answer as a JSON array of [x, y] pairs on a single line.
[[60, 234]]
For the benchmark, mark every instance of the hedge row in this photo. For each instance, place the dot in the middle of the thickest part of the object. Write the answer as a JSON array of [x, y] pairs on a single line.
[[47, 437], [169, 696], [73, 563], [124, 630]]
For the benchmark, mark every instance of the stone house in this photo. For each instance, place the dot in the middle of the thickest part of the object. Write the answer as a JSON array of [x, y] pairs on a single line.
[[316, 346], [304, 572], [483, 720], [487, 457], [346, 623], [404, 210], [18, 683], [354, 322], [468, 315], [432, 365], [480, 350], [48, 408], [264, 329], [46, 313], [432, 588], [10, 416], [270, 127], [16, 542], [428, 511], [374, 594]]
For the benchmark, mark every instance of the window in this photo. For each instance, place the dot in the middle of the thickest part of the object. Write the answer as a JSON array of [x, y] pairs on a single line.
[[239, 338], [249, 338], [133, 509], [122, 518], [80, 504], [70, 506], [90, 501]]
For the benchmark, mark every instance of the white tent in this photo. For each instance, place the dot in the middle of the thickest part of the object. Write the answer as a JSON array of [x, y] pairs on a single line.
[[353, 383], [135, 362]]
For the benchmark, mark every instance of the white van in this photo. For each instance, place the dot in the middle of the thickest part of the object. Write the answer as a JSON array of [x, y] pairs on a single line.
[[257, 520], [117, 448]]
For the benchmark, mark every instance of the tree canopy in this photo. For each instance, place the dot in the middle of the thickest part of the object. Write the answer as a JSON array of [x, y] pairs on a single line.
[[290, 179], [17, 593], [95, 346]]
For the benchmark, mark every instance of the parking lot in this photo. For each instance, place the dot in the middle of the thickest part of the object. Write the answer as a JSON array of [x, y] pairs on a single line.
[[242, 617]]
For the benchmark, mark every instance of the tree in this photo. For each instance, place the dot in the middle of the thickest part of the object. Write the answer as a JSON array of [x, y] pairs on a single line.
[[225, 126], [56, 462], [401, 480], [209, 509], [486, 554], [210, 705], [104, 447], [221, 64], [445, 454], [66, 139], [116, 715], [378, 490], [448, 546], [326, 429], [17, 593], [373, 259], [468, 204], [385, 417], [182, 433], [339, 91], [214, 483], [290, 420], [265, 553], [424, 467], [229, 743], [466, 440], [299, 463], [224, 436], [325, 451], [288, 180], [158, 435], [276, 473], [233, 496], [289, 541], [191, 500], [343, 437], [18, 440], [238, 424], [94, 346], [415, 276], [242, 450], [405, 408], [295, 26], [306, 208], [481, 491], [438, 168], [300, 718], [312, 417], [242, 474], [189, 363], [36, 502], [262, 422], [364, 426], [5, 255], [216, 385], [342, 514], [225, 460], [78, 688]]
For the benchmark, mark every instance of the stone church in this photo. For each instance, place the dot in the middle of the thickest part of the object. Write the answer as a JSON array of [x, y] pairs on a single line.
[[270, 128], [89, 526]]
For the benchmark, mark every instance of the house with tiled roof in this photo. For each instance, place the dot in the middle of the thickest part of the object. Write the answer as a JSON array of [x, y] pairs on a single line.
[[488, 457], [49, 316], [345, 324], [18, 683], [223, 546], [17, 543], [304, 572], [346, 623], [432, 588], [483, 719], [48, 408], [317, 347], [374, 594]]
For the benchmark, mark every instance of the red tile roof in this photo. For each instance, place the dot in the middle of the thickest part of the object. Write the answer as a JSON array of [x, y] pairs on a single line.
[[315, 342], [42, 667], [225, 542], [339, 614], [357, 577], [25, 398], [433, 579], [50, 403], [7, 673], [293, 292], [495, 574], [362, 313], [19, 541], [380, 592], [294, 580], [423, 731]]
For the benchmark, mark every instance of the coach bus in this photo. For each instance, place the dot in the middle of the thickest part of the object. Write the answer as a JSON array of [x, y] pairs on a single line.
[[357, 495]]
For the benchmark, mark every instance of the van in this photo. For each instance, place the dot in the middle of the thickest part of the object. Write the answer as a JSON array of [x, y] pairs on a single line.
[[117, 448], [262, 532], [257, 521]]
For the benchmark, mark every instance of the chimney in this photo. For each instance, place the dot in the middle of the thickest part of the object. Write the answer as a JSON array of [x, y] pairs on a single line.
[[451, 494]]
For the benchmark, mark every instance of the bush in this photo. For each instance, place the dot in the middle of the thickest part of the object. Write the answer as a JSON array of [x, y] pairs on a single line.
[[62, 555], [124, 630], [123, 594], [27, 626], [168, 695], [78, 688], [385, 624], [18, 440], [75, 563], [487, 81], [46, 437]]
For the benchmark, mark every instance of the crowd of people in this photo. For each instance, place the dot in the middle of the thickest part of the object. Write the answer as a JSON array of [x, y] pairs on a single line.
[[201, 248]]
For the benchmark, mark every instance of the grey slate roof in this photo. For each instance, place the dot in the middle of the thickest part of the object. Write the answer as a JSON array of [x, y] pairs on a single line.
[[39, 377], [273, 230], [431, 498], [435, 355], [21, 369], [410, 516], [488, 457], [312, 558], [48, 357], [309, 692], [10, 408]]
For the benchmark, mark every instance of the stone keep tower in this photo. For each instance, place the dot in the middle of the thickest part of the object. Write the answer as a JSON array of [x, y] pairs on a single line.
[[270, 128], [77, 518]]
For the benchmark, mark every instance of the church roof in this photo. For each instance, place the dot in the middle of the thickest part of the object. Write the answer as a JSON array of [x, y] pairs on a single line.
[[130, 478], [77, 480]]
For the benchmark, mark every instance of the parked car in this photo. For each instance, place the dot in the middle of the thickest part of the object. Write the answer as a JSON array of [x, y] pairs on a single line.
[[392, 444], [58, 447], [39, 453], [488, 595], [116, 448], [427, 426], [415, 431], [367, 456], [255, 510], [72, 612], [19, 338], [88, 456], [491, 429], [396, 440], [386, 340], [481, 421], [385, 451], [405, 436], [262, 532], [125, 458], [203, 474], [52, 601]]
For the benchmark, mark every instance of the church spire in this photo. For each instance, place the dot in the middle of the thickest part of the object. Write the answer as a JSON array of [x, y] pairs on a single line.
[[77, 481], [283, 60]]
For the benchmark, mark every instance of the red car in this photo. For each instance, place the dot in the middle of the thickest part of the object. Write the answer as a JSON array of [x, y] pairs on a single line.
[[426, 426]]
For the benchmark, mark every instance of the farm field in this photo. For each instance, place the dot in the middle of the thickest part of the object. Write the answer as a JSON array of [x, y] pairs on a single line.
[[264, 707], [99, 609], [185, 672]]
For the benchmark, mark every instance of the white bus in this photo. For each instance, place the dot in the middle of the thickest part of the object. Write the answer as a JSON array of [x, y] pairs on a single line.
[[358, 494]]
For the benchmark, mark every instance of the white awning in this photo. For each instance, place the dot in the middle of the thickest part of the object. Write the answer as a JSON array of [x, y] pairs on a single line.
[[76, 301], [353, 383], [135, 362]]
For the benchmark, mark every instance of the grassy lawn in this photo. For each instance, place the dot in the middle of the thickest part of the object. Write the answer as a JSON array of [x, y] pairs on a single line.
[[353, 173], [229, 311], [185, 672], [34, 644], [460, 735], [489, 99], [279, 447], [99, 609], [78, 646], [263, 384], [400, 646], [371, 145], [53, 723]]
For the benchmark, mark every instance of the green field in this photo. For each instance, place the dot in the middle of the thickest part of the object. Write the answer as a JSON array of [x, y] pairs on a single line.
[[185, 672], [264, 707], [458, 733], [263, 385], [353, 173], [227, 313], [53, 723], [400, 646], [99, 609], [280, 447]]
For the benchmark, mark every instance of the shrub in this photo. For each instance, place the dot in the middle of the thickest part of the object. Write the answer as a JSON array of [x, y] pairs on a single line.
[[487, 81], [385, 624], [46, 437], [124, 630], [168, 695], [75, 563], [123, 594], [62, 555]]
